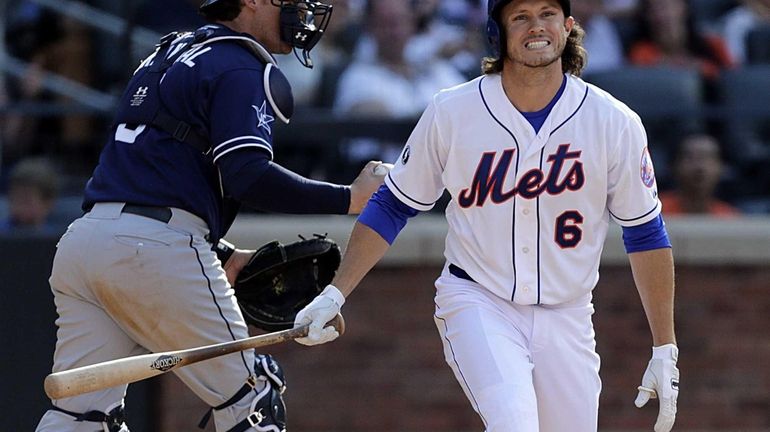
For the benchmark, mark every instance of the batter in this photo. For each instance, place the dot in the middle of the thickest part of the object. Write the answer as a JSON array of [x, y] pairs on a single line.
[[537, 163]]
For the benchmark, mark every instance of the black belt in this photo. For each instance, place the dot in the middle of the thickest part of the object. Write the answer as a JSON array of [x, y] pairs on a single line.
[[162, 214], [457, 271]]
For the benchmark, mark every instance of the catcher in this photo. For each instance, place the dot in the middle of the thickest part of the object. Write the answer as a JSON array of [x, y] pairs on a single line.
[[145, 269]]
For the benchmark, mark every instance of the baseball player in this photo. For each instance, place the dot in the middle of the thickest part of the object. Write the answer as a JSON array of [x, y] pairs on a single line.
[[537, 163], [146, 269]]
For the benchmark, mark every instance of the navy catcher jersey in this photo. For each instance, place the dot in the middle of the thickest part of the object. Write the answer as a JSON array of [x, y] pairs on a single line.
[[218, 89]]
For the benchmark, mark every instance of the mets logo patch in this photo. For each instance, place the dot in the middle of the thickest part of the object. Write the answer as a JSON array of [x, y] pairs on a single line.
[[646, 170]]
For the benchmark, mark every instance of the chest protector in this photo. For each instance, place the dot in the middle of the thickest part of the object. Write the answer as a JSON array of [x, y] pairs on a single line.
[[141, 103]]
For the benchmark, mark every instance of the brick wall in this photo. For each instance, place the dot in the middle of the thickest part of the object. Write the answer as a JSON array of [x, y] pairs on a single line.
[[387, 373]]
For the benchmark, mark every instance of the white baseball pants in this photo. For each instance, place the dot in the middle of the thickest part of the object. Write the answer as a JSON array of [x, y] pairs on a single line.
[[523, 368]]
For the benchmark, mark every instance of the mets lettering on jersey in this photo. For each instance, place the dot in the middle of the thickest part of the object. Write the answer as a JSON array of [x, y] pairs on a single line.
[[530, 185], [527, 219]]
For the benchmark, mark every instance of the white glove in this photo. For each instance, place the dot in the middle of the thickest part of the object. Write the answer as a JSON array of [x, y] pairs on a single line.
[[320, 311], [661, 380]]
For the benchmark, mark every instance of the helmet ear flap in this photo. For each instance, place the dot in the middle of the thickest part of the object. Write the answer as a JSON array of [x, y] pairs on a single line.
[[494, 30], [493, 35]]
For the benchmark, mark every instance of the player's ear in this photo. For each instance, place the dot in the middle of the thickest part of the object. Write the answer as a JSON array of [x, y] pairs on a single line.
[[254, 3], [569, 22]]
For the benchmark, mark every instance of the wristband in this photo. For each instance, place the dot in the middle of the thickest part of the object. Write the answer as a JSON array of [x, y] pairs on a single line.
[[334, 294], [224, 250], [666, 352]]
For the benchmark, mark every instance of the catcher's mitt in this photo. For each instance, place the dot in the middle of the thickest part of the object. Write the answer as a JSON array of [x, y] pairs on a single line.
[[280, 280]]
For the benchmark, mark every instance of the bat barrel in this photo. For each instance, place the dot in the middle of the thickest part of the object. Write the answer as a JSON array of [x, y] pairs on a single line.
[[68, 383], [100, 376]]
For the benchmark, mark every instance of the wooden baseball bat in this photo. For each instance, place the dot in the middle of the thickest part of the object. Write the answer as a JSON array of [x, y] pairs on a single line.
[[126, 370]]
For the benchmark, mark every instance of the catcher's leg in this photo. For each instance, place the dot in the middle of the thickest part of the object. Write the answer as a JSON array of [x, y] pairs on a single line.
[[488, 354], [86, 335], [168, 291], [260, 399]]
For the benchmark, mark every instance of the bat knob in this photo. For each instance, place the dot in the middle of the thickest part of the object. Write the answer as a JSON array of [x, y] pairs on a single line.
[[338, 323]]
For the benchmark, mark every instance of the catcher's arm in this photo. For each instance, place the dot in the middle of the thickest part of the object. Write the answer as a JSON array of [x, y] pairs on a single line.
[[368, 181], [233, 259]]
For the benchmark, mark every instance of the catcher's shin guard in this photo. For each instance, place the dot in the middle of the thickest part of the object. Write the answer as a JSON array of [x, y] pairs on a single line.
[[267, 411]]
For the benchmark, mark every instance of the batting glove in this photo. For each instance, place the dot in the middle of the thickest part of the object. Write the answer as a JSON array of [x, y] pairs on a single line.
[[661, 380], [319, 312]]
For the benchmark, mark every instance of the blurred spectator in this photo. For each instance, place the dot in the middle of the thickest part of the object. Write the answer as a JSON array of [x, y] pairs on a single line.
[[698, 169], [620, 8], [448, 30], [173, 15], [32, 193], [31, 30], [317, 88], [4, 101], [602, 41], [737, 24], [311, 88], [382, 82], [55, 44], [669, 38]]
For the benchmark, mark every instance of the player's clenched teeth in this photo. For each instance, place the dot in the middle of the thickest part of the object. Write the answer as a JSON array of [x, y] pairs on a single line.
[[537, 44]]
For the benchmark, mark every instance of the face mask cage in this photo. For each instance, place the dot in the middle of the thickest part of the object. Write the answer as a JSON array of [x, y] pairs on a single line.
[[302, 25]]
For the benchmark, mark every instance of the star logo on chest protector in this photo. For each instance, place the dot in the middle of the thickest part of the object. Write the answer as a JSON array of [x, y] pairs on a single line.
[[263, 118]]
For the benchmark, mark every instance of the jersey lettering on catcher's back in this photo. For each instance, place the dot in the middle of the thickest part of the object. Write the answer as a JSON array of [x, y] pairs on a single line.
[[531, 185]]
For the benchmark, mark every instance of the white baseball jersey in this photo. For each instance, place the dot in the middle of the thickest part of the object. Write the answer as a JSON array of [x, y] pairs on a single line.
[[529, 212]]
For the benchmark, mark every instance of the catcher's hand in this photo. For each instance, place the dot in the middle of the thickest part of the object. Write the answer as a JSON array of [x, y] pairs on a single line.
[[279, 280], [236, 263], [319, 312], [365, 185], [661, 380]]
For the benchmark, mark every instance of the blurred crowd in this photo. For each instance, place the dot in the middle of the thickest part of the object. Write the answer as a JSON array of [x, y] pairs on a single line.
[[709, 132]]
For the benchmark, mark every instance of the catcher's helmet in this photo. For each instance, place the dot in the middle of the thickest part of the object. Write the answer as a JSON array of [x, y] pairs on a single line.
[[303, 22], [493, 26]]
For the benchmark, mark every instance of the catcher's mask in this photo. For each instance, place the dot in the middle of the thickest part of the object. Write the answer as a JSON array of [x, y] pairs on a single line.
[[302, 25], [494, 32]]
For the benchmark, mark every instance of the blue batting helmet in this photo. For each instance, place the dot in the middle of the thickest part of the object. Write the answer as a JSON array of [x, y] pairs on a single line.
[[208, 3], [493, 25]]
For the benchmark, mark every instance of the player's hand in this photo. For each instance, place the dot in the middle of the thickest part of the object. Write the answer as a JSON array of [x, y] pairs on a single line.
[[661, 381], [365, 185], [235, 263], [319, 312]]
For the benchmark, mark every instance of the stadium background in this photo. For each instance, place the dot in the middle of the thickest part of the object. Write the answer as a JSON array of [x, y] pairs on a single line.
[[64, 61]]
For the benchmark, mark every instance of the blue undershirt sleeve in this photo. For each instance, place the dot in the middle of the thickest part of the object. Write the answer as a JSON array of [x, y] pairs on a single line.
[[385, 214], [647, 236]]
